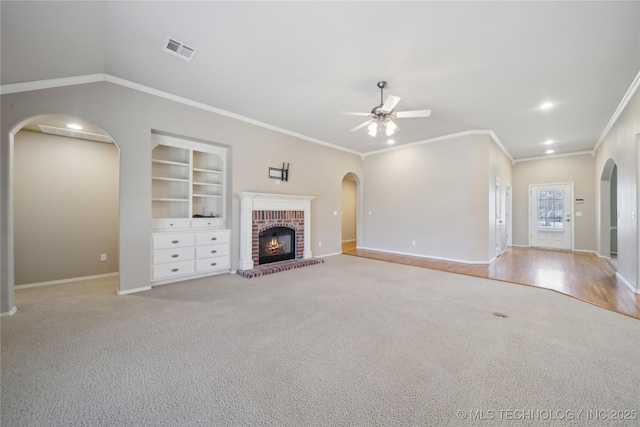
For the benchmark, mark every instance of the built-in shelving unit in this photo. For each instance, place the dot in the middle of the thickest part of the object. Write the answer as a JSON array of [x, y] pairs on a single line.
[[188, 201]]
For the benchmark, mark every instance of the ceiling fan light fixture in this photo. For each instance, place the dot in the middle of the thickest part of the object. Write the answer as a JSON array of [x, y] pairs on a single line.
[[390, 128], [381, 115], [373, 129]]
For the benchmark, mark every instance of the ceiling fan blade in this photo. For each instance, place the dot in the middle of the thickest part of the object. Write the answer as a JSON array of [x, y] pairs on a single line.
[[362, 125], [390, 103], [409, 114], [349, 113]]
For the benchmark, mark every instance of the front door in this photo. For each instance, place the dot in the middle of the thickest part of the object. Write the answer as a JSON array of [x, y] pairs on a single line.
[[550, 217]]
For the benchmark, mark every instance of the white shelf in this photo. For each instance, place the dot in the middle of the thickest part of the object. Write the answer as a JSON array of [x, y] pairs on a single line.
[[161, 178], [170, 200], [207, 170], [207, 195], [208, 184], [169, 162]]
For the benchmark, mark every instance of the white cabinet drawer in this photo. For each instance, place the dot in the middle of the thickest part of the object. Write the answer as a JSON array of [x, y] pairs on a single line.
[[172, 255], [218, 263], [172, 269], [172, 240], [207, 222], [211, 250], [212, 237], [170, 223]]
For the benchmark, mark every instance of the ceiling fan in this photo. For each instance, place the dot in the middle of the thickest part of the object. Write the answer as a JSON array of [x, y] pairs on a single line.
[[382, 114]]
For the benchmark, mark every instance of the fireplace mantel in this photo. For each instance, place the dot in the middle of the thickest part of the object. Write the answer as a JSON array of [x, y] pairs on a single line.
[[250, 202]]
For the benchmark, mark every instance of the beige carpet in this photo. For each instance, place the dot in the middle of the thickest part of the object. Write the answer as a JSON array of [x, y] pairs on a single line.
[[352, 341]]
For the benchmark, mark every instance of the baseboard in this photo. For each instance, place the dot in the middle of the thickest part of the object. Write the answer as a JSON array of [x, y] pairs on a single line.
[[629, 285], [521, 246], [584, 251], [133, 291], [73, 279], [9, 313], [426, 256], [326, 255]]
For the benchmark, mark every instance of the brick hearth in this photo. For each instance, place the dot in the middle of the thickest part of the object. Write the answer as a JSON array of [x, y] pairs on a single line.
[[276, 267]]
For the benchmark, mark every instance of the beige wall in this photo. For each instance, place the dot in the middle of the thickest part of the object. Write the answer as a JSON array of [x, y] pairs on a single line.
[[621, 144], [129, 116], [65, 208], [437, 194], [578, 169], [349, 188]]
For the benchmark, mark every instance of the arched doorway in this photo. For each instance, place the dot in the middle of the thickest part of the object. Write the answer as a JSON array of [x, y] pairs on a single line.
[[609, 211], [349, 212], [64, 197]]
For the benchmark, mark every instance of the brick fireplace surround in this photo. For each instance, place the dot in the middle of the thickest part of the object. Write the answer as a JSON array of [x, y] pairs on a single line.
[[264, 220], [261, 211]]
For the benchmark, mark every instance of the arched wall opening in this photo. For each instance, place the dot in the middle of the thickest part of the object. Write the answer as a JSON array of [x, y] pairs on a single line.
[[63, 208], [351, 191], [608, 209]]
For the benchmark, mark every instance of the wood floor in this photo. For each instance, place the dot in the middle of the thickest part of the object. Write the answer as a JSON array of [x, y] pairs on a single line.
[[580, 275]]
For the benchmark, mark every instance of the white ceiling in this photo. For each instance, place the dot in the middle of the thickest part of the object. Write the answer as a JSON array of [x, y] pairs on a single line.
[[296, 65]]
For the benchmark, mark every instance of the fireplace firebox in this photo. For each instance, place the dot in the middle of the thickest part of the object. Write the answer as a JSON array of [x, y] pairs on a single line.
[[276, 244]]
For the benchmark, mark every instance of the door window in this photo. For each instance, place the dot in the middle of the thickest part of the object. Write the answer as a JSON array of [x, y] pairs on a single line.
[[550, 209]]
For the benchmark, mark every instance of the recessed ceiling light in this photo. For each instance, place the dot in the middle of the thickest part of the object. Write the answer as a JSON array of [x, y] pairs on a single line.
[[548, 142], [74, 126], [550, 151], [391, 142], [546, 105]]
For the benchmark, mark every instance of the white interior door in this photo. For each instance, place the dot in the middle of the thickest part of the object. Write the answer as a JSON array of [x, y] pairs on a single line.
[[550, 216]]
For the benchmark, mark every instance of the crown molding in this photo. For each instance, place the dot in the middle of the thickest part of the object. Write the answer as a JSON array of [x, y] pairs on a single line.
[[489, 133], [94, 78], [616, 114], [553, 156], [6, 89]]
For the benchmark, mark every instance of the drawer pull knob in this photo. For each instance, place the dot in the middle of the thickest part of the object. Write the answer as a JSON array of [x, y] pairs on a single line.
[[175, 269], [175, 256], [171, 225], [208, 223], [214, 263], [214, 238], [175, 241], [213, 251]]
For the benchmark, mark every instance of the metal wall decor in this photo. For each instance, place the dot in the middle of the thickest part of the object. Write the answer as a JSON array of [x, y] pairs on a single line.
[[280, 174]]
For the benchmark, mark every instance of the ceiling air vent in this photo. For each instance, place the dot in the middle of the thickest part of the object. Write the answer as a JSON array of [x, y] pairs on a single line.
[[75, 134], [179, 49]]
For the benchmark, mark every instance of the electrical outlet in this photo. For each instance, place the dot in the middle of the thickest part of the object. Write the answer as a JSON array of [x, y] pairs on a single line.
[[320, 243], [413, 243], [103, 257]]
